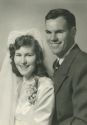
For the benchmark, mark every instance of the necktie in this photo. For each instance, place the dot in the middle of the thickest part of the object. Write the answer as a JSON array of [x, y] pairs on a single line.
[[56, 65]]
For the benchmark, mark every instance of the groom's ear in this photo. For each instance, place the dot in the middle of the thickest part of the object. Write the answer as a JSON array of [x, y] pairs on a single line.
[[73, 31]]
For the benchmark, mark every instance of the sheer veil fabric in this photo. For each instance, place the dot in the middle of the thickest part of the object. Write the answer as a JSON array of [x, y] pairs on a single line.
[[9, 81]]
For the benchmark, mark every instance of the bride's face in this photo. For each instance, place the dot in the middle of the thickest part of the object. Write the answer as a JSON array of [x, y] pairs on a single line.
[[25, 59]]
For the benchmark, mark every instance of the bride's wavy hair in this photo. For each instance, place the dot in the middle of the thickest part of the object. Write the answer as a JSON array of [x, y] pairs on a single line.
[[28, 40]]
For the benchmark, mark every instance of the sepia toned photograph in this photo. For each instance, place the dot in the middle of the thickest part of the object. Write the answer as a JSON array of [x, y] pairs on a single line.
[[43, 62]]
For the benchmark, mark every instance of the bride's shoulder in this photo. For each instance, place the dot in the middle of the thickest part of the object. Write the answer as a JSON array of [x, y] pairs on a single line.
[[45, 81]]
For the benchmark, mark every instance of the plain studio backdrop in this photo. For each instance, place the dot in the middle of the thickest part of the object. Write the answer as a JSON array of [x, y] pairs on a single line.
[[25, 14]]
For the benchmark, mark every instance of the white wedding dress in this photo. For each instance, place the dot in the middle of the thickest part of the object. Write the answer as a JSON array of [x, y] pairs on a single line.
[[39, 113]]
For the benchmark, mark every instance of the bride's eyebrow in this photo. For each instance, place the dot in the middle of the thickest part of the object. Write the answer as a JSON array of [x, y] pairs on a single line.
[[17, 53], [29, 53]]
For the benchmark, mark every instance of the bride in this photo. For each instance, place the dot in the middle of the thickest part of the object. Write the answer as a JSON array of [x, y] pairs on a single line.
[[26, 91]]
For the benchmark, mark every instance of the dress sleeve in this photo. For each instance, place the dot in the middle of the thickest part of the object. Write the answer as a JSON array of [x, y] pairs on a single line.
[[45, 103]]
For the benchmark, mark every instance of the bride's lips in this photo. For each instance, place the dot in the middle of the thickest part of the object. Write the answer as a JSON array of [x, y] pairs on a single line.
[[56, 42], [24, 67]]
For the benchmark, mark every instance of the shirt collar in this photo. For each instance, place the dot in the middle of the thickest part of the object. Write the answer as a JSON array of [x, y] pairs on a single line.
[[62, 59]]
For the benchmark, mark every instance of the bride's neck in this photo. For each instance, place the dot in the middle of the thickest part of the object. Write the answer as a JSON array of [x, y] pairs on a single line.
[[28, 78]]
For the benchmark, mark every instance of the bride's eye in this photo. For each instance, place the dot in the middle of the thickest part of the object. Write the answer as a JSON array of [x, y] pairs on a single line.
[[29, 54]]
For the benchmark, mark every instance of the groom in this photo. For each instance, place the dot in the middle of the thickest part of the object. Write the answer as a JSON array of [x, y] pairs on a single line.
[[70, 79]]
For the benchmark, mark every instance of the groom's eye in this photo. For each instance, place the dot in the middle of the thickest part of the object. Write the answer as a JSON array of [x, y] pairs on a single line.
[[18, 54], [48, 32]]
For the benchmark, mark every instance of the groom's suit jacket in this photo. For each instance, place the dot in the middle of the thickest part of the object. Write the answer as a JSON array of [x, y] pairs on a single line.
[[70, 84]]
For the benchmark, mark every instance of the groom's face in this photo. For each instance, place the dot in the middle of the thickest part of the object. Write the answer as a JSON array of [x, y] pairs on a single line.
[[59, 35]]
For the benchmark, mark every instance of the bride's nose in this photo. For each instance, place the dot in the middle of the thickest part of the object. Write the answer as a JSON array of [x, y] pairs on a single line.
[[23, 60]]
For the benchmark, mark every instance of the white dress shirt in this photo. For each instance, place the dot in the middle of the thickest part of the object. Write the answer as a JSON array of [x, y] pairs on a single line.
[[62, 59]]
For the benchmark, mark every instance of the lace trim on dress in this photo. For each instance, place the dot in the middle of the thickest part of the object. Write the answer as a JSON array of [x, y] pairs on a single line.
[[33, 89]]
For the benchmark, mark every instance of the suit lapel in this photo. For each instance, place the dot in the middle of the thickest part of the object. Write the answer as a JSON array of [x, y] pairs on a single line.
[[62, 72]]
